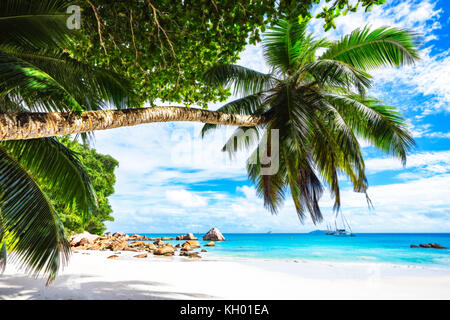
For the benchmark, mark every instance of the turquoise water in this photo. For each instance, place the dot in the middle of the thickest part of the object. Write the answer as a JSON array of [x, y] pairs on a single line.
[[366, 247]]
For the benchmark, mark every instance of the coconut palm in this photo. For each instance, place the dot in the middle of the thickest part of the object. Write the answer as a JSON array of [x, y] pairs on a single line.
[[37, 75], [316, 97]]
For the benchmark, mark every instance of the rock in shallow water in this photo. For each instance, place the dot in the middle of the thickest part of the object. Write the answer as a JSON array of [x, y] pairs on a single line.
[[214, 234]]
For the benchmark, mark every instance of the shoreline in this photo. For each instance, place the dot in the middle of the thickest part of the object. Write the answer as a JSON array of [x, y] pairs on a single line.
[[90, 275]]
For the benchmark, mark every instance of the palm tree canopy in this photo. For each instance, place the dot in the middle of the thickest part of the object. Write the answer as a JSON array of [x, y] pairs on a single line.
[[320, 107], [38, 75]]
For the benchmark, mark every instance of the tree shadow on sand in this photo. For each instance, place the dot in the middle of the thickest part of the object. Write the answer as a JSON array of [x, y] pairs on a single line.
[[66, 288]]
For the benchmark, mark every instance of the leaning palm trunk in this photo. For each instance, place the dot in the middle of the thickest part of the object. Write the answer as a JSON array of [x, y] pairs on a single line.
[[26, 125]]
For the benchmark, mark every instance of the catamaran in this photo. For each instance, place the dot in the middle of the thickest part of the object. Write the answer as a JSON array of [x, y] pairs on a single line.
[[341, 231]]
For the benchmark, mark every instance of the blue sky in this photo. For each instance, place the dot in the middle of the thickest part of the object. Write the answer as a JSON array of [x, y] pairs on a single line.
[[169, 180]]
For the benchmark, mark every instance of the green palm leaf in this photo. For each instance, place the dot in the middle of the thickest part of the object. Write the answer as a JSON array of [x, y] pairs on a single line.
[[36, 234], [337, 74], [92, 87], [38, 90], [382, 125], [56, 167], [284, 43], [365, 49], [38, 23], [244, 81]]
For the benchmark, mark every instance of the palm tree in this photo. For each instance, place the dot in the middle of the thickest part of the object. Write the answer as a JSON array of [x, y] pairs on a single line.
[[37, 75], [318, 103]]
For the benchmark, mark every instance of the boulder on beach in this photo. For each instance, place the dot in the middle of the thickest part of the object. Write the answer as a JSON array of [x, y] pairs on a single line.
[[189, 236], [164, 251], [119, 234], [158, 243], [190, 254], [144, 255], [192, 243], [151, 246], [119, 245], [113, 257], [204, 250], [137, 244], [82, 239], [214, 234], [135, 237], [187, 247]]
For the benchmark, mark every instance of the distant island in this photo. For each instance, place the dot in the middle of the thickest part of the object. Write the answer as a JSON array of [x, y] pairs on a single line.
[[318, 232]]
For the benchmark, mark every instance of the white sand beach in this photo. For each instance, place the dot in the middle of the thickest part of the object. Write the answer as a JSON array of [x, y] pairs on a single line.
[[90, 275]]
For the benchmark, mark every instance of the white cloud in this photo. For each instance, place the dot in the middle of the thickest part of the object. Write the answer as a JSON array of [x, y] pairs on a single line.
[[421, 16], [186, 198], [428, 161]]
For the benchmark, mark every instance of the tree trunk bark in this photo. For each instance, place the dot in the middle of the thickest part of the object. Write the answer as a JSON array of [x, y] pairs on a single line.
[[27, 125]]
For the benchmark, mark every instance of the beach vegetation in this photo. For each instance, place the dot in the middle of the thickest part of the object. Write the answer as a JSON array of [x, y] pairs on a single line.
[[100, 169]]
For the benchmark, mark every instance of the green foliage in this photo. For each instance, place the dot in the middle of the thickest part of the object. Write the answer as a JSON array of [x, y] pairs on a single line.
[[320, 107], [36, 74], [100, 169], [339, 7], [30, 228], [166, 46]]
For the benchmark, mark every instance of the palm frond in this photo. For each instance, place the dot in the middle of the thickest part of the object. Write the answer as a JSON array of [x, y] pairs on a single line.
[[284, 43], [37, 235], [38, 90], [381, 125], [338, 74], [58, 168], [271, 188], [365, 49], [38, 23], [93, 87], [310, 192], [242, 80]]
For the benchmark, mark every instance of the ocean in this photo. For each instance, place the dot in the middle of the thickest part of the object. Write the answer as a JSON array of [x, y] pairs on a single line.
[[393, 248]]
